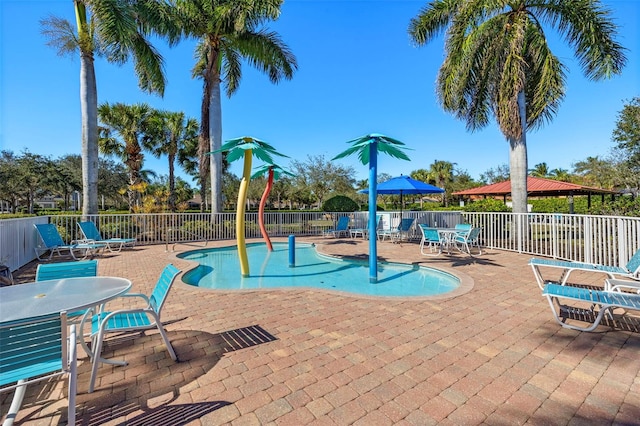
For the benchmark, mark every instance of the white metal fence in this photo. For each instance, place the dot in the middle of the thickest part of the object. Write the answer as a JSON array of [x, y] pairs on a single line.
[[607, 240]]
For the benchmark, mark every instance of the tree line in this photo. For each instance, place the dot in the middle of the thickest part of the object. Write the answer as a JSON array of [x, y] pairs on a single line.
[[128, 131]]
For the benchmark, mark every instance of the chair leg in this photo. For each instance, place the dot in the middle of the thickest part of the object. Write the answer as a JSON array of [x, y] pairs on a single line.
[[73, 376], [16, 402], [167, 343]]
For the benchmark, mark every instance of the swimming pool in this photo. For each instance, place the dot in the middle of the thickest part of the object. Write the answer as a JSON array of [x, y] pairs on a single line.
[[219, 269]]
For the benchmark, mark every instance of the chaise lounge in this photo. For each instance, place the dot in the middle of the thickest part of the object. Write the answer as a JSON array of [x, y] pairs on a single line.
[[630, 270], [605, 301]]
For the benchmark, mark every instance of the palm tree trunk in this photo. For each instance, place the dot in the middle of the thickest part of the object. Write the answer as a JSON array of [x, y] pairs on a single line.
[[172, 183], [89, 117], [518, 163], [215, 135], [203, 144]]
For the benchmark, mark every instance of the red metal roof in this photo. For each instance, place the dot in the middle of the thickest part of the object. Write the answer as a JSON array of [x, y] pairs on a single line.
[[536, 187]]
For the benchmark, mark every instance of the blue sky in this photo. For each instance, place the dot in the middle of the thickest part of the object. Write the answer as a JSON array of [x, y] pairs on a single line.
[[358, 73]]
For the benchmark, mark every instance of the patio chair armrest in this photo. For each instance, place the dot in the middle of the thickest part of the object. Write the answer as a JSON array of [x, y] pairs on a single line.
[[144, 296]]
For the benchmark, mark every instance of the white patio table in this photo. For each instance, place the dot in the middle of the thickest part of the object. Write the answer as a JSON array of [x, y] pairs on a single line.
[[68, 294]]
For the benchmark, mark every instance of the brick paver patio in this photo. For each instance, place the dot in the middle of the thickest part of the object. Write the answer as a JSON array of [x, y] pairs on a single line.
[[493, 355]]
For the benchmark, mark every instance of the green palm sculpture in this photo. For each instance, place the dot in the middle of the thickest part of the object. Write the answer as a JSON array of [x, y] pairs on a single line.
[[245, 147], [367, 148], [273, 171]]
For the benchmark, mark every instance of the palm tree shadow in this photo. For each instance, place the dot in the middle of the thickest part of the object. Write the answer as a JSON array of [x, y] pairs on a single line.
[[193, 348]]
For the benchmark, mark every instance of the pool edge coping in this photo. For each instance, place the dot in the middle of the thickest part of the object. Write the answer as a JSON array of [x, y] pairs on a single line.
[[466, 282]]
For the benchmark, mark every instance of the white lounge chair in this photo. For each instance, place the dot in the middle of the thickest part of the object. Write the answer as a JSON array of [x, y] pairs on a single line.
[[605, 301], [630, 270]]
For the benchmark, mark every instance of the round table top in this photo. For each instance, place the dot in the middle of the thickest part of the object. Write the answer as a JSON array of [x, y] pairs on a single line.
[[51, 296]]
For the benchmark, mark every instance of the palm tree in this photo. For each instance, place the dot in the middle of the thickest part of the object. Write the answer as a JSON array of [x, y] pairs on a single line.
[[540, 170], [229, 33], [498, 63], [125, 127], [246, 147], [562, 175], [442, 173], [115, 29], [273, 173], [367, 148], [169, 133]]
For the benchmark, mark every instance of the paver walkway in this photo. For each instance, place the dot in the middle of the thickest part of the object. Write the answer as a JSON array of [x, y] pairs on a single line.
[[493, 355]]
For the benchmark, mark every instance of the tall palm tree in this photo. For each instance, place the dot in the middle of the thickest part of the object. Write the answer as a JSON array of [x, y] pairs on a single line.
[[125, 127], [168, 133], [246, 147], [367, 148], [229, 32], [116, 30], [498, 63]]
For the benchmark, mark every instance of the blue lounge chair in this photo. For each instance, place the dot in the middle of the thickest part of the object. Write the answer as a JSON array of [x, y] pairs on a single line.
[[399, 233], [52, 241], [92, 234], [364, 232], [36, 349], [342, 228], [605, 301], [630, 270], [135, 319]]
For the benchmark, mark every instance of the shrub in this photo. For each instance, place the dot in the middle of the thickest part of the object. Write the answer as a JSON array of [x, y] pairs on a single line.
[[340, 203], [486, 205]]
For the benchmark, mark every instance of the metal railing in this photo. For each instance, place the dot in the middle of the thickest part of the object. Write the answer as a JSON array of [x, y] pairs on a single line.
[[607, 240]]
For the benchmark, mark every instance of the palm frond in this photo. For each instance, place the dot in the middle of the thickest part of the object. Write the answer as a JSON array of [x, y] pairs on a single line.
[[60, 35], [383, 143]]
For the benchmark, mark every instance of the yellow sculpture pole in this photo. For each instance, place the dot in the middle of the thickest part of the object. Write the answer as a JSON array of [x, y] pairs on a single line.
[[240, 209]]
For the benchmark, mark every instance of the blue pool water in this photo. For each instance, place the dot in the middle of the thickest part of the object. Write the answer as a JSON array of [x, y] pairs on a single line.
[[220, 269]]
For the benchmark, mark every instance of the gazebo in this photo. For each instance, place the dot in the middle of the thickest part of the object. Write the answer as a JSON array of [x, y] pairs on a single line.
[[538, 187]]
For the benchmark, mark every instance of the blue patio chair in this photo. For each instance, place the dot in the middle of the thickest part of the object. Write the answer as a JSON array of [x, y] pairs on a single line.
[[54, 271], [92, 234], [399, 233], [52, 241], [430, 239], [131, 320], [33, 350], [465, 240], [342, 228], [463, 226], [630, 270]]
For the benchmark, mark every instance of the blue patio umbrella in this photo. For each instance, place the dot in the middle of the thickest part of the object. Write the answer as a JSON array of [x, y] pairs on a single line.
[[404, 185]]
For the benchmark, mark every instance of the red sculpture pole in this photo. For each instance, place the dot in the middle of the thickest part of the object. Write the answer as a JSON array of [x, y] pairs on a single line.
[[263, 201]]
